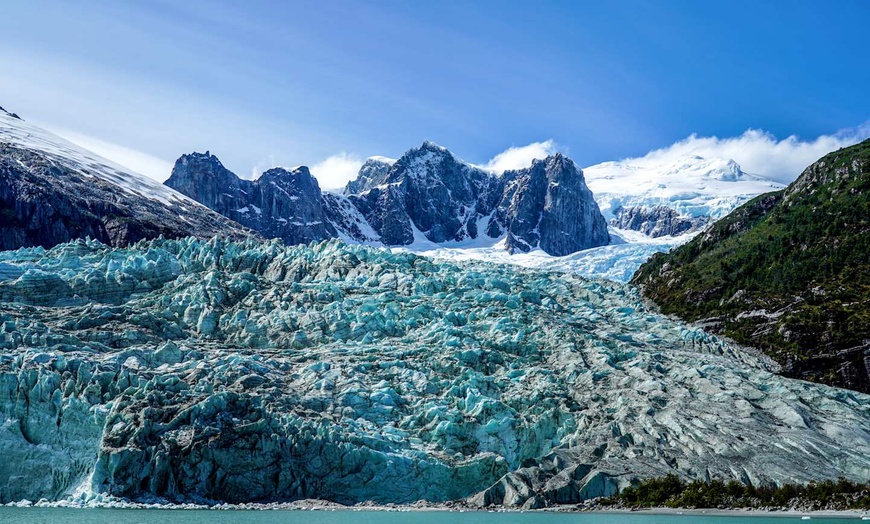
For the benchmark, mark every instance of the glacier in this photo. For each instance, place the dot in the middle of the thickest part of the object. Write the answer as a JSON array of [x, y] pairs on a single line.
[[192, 370]]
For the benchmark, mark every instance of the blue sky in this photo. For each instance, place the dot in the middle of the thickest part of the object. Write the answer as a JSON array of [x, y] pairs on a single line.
[[287, 83]]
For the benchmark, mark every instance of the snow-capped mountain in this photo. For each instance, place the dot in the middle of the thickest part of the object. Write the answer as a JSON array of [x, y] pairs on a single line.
[[428, 196], [691, 187], [52, 191], [650, 207]]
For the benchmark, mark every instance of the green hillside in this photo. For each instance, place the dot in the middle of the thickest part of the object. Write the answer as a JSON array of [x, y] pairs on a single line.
[[788, 272]]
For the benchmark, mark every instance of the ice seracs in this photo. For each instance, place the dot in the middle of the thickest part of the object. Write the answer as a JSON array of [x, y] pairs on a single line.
[[223, 371]]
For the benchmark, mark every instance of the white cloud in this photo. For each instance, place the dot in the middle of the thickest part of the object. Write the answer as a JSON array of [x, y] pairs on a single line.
[[336, 171], [262, 166], [758, 151], [136, 161], [520, 157]]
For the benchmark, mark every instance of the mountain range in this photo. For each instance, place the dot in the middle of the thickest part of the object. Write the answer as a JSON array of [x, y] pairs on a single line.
[[427, 194], [428, 201]]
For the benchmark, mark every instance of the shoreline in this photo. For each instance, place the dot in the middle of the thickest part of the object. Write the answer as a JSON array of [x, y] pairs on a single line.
[[322, 505]]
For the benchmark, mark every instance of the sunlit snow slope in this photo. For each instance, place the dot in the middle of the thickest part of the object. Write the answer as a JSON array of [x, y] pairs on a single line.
[[195, 370], [693, 186], [52, 191]]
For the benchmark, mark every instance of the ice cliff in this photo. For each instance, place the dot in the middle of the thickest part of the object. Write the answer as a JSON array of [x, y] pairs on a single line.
[[191, 370]]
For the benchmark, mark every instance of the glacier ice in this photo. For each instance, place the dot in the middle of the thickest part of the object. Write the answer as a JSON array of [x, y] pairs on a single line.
[[247, 371]]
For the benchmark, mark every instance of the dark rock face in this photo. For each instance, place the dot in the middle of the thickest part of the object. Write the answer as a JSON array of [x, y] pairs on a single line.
[[447, 200], [657, 221], [549, 206], [280, 204], [292, 200], [440, 195], [44, 202], [384, 209], [372, 173]]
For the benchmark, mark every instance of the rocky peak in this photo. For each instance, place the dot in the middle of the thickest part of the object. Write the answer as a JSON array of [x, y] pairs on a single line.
[[282, 203], [298, 179], [372, 173], [558, 163], [432, 190], [203, 177], [549, 206]]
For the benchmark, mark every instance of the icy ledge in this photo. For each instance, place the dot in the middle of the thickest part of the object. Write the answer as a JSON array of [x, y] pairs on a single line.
[[192, 370]]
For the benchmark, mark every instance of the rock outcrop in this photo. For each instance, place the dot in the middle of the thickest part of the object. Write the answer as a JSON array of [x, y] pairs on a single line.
[[657, 221], [52, 191], [549, 206], [282, 203]]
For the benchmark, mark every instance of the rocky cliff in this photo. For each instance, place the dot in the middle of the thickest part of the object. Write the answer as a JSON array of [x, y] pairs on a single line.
[[549, 206], [282, 203]]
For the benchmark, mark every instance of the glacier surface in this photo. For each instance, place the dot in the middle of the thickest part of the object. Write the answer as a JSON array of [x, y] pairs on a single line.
[[241, 371]]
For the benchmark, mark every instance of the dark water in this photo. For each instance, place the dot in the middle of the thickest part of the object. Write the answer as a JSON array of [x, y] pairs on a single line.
[[168, 516]]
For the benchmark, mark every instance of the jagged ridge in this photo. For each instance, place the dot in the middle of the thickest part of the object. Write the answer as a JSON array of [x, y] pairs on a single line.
[[426, 194]]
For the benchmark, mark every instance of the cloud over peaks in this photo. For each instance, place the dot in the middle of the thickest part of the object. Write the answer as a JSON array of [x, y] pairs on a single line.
[[336, 171], [758, 151], [520, 157]]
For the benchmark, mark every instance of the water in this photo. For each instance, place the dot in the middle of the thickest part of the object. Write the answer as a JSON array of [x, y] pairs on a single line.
[[168, 516]]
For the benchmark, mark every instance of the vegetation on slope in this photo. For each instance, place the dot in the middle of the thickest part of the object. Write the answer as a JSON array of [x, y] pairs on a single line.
[[788, 272], [671, 491]]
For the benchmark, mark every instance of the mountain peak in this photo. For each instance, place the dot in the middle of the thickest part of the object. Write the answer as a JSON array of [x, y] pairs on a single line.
[[429, 145], [288, 170], [296, 172]]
